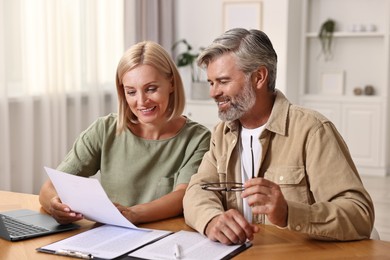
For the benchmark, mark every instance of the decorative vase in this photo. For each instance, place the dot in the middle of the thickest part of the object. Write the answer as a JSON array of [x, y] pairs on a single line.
[[369, 90], [358, 91]]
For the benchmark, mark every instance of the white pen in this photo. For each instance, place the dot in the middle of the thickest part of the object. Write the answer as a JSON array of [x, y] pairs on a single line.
[[72, 253], [177, 251]]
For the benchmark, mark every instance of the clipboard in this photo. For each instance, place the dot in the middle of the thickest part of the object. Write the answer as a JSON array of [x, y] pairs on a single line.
[[155, 244], [187, 245], [242, 248], [104, 242]]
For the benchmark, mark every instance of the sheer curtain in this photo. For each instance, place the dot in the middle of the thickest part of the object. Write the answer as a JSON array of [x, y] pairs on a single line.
[[57, 75], [155, 21]]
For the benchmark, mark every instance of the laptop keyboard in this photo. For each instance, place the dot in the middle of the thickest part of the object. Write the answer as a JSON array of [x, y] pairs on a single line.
[[17, 228]]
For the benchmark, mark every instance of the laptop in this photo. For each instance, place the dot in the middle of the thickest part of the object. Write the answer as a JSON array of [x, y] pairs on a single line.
[[23, 224]]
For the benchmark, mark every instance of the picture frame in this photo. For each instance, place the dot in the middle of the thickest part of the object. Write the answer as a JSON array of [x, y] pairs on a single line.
[[245, 13], [332, 82]]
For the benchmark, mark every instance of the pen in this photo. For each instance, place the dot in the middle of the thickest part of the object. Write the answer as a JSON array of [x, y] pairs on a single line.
[[177, 251], [65, 252]]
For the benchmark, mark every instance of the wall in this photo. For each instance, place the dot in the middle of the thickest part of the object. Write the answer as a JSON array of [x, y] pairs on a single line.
[[201, 21]]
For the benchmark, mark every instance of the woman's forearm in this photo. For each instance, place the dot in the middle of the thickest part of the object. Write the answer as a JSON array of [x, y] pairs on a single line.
[[46, 193], [167, 206]]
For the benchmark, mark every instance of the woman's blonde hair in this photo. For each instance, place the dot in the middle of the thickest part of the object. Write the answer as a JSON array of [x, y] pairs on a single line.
[[153, 54]]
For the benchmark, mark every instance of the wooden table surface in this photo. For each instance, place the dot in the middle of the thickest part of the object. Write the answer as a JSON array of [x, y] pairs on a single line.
[[270, 243]]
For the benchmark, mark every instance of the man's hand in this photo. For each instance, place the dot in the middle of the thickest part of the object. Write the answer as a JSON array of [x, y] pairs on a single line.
[[265, 197], [62, 213], [230, 228]]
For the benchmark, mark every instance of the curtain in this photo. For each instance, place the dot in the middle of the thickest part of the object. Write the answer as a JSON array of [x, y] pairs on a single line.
[[57, 75], [155, 21]]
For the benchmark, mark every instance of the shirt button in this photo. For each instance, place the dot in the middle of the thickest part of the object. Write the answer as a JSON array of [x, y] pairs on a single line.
[[281, 178], [234, 141], [298, 227]]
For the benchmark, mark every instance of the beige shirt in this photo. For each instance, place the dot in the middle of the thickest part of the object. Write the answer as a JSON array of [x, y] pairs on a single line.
[[302, 152]]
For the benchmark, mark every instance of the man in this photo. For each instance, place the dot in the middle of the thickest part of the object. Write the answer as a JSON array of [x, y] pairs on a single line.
[[294, 165]]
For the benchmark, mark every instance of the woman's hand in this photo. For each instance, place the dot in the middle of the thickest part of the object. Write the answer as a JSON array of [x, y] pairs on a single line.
[[62, 213], [128, 213]]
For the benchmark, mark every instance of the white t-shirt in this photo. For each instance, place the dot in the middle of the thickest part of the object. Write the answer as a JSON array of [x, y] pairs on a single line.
[[249, 140]]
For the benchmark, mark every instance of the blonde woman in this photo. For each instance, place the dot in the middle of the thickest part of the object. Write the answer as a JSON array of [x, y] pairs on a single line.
[[147, 152]]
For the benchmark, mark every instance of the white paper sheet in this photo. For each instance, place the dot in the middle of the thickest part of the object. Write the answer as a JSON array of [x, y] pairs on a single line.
[[192, 246], [104, 242], [87, 196]]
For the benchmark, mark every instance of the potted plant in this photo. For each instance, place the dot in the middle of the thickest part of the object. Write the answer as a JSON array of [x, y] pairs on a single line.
[[325, 36], [199, 87]]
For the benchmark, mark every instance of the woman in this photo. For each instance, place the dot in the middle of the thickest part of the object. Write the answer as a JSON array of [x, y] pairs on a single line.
[[147, 152]]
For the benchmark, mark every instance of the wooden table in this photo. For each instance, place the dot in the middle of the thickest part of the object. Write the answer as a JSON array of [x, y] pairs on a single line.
[[269, 243]]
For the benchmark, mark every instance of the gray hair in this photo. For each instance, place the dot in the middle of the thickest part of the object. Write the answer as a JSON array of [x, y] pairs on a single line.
[[252, 49]]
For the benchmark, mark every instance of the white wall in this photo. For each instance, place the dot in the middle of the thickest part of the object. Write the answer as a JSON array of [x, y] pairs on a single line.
[[200, 22]]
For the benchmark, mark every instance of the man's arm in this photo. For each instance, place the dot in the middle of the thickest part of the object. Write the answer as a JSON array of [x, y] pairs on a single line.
[[342, 208]]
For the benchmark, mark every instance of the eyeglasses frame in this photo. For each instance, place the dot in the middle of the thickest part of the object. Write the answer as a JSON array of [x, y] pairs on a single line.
[[216, 186]]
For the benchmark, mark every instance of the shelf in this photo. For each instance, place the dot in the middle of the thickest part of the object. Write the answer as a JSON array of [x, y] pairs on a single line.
[[349, 34], [362, 57]]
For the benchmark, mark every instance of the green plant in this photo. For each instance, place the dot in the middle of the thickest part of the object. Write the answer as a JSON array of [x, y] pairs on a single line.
[[326, 35], [187, 58]]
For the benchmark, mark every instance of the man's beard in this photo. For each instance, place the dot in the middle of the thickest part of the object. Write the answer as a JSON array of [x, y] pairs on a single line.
[[240, 104]]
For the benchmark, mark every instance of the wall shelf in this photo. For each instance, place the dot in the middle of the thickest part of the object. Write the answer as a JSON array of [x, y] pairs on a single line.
[[362, 58], [349, 34]]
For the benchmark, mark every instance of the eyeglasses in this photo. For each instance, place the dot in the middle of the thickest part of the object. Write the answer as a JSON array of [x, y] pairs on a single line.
[[229, 186], [236, 187], [223, 186]]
